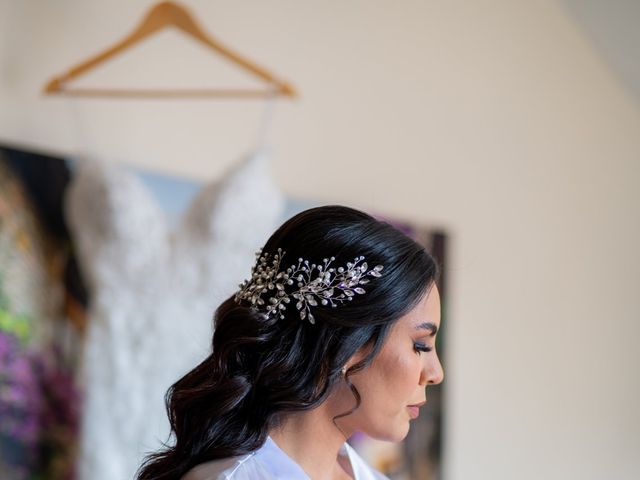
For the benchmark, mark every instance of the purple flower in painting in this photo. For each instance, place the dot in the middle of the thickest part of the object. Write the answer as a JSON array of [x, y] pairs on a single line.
[[60, 416], [20, 402], [39, 412]]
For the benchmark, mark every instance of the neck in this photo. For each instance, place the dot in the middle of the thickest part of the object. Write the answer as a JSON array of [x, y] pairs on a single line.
[[312, 440]]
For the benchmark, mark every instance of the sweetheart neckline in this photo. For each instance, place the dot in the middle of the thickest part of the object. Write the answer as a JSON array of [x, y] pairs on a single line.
[[154, 185]]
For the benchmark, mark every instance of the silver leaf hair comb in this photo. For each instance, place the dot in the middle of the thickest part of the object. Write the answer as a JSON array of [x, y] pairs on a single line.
[[327, 285]]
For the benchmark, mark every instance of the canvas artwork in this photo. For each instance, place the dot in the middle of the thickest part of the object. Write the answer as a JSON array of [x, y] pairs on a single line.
[[418, 457], [38, 398]]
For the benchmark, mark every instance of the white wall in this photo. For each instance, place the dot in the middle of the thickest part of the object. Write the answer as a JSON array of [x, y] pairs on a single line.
[[495, 119]]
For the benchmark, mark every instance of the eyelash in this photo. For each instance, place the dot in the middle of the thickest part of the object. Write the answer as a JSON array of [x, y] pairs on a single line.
[[420, 347]]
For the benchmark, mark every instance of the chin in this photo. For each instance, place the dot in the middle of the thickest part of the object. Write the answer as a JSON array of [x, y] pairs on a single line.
[[400, 436], [396, 435]]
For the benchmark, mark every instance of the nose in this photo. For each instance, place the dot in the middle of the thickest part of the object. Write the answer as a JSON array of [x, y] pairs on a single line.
[[432, 373]]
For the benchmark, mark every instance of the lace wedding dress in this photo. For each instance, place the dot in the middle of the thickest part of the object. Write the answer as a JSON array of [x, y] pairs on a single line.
[[153, 293]]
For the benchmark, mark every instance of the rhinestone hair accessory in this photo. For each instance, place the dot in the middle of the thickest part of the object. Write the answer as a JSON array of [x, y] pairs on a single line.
[[316, 284]]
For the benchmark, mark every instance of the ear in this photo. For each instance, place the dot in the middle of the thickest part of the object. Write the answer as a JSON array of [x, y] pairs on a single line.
[[358, 356]]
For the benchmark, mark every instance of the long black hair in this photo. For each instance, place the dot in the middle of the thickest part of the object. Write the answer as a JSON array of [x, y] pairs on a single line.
[[261, 369]]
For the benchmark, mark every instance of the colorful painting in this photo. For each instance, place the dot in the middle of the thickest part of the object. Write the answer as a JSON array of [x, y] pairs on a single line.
[[38, 400]]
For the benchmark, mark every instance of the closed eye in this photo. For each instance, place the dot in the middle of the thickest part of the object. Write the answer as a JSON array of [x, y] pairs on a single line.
[[421, 347]]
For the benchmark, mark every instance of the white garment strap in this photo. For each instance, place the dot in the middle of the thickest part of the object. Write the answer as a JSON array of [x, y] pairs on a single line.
[[80, 134], [265, 122]]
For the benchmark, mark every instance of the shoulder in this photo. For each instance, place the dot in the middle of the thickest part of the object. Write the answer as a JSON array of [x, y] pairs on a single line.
[[362, 469], [244, 467]]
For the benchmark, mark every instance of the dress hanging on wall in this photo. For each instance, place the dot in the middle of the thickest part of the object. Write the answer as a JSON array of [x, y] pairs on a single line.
[[153, 293]]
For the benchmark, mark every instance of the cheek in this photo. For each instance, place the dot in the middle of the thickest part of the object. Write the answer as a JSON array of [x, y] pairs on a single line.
[[396, 379], [386, 391], [403, 376]]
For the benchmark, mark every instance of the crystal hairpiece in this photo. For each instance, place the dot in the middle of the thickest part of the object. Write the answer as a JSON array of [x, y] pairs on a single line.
[[326, 286]]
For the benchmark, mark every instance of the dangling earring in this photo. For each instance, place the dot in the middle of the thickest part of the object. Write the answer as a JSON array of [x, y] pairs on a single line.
[[344, 371]]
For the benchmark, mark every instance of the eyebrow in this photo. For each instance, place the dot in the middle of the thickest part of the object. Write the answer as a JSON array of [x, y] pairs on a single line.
[[428, 326]]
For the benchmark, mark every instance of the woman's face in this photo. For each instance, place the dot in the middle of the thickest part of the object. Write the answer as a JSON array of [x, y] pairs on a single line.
[[398, 375]]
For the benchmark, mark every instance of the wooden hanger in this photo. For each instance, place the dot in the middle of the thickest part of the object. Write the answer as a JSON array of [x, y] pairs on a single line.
[[163, 15]]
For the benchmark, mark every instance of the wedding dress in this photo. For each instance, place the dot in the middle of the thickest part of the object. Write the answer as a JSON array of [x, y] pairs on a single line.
[[153, 293]]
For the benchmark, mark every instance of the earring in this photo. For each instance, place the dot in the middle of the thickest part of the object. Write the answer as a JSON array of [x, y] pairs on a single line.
[[344, 370]]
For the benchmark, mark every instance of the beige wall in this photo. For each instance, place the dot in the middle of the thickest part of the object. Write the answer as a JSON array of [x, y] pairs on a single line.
[[496, 120]]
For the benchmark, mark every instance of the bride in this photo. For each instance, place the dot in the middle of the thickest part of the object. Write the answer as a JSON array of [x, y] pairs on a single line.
[[332, 333]]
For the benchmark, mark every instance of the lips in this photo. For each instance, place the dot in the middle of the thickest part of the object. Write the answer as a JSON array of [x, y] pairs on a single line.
[[414, 410]]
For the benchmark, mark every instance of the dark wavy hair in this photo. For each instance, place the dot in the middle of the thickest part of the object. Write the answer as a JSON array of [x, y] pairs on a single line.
[[259, 370]]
